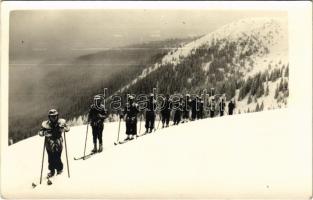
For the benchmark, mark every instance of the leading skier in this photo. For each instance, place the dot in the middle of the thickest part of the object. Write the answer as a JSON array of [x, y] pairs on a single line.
[[52, 129]]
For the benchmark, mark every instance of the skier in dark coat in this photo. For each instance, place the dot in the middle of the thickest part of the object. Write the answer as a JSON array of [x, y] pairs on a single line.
[[194, 105], [231, 107], [186, 108], [166, 111], [150, 114], [130, 113], [212, 107], [222, 107], [178, 111], [96, 117], [52, 129], [200, 109]]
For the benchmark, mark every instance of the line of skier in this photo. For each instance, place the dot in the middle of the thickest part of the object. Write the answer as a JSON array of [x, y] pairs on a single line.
[[183, 109]]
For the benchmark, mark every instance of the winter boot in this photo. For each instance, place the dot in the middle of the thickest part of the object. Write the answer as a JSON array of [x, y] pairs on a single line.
[[94, 148], [50, 174], [100, 148], [59, 172]]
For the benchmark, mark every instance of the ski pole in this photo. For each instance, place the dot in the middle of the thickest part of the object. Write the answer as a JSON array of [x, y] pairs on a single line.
[[159, 121], [140, 124], [68, 168], [86, 141], [43, 158], [118, 133]]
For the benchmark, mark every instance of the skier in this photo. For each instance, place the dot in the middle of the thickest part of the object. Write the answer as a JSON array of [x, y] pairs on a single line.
[[194, 105], [222, 107], [212, 107], [130, 113], [96, 117], [150, 113], [166, 111], [200, 108], [186, 108], [231, 107], [52, 129], [178, 111]]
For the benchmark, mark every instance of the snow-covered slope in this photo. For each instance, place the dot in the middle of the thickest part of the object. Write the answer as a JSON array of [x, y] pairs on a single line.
[[266, 37], [216, 158], [268, 33]]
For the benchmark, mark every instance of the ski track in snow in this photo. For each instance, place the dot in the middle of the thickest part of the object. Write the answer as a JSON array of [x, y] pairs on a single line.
[[196, 159]]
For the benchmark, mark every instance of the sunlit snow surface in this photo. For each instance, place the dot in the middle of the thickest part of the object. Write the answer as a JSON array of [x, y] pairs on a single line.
[[249, 155]]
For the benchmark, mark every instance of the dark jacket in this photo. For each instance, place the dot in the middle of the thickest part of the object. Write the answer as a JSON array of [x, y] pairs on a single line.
[[96, 115], [131, 110], [167, 106], [53, 133], [222, 106], [151, 105]]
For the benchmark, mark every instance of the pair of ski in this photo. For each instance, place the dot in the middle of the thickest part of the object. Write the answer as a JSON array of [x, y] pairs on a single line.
[[49, 180], [86, 156], [128, 140]]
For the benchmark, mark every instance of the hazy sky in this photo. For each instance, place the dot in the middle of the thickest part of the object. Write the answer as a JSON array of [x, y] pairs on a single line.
[[41, 34]]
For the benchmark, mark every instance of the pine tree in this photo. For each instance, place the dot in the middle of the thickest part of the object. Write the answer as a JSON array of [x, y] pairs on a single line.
[[287, 71], [281, 85], [257, 108], [262, 106], [276, 92], [267, 91], [249, 99], [285, 85], [260, 90]]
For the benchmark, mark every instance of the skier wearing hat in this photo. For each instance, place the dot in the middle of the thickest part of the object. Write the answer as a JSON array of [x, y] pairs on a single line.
[[150, 113], [200, 108], [130, 113], [186, 108], [231, 107], [178, 111], [194, 108], [96, 117], [166, 111], [222, 107], [212, 107], [52, 129]]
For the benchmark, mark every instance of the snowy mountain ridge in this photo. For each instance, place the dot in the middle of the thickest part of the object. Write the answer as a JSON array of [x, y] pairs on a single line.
[[266, 37], [268, 32]]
